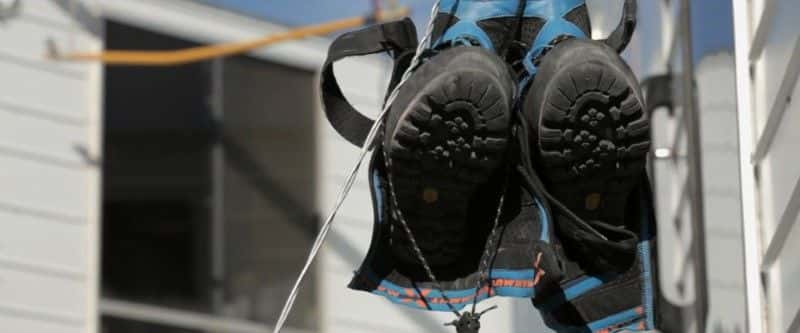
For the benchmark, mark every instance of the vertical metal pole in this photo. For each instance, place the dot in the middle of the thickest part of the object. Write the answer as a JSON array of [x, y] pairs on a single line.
[[217, 186], [750, 229], [695, 172]]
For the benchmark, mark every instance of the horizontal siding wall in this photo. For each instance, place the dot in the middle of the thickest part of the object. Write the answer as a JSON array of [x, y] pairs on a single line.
[[715, 81], [49, 128]]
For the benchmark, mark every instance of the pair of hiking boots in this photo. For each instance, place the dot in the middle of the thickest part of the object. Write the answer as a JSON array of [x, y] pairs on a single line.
[[512, 163]]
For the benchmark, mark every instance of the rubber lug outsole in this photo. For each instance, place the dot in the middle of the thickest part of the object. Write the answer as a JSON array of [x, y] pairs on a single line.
[[446, 137], [593, 131]]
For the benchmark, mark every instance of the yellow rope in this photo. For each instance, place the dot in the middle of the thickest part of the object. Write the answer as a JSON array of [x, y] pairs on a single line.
[[201, 53]]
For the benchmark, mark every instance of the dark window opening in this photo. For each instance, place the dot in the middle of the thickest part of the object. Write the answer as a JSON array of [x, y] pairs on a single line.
[[209, 181]]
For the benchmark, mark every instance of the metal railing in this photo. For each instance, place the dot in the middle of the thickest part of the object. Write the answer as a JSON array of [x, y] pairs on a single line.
[[755, 148], [679, 161]]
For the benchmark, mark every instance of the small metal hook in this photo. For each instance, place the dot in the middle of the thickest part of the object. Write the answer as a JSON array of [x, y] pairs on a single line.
[[469, 322]]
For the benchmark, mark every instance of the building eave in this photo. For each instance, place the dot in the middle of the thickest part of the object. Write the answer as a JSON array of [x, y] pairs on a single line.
[[206, 24]]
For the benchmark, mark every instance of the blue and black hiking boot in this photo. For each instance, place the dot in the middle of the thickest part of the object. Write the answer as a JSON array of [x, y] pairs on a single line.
[[609, 301], [590, 139], [472, 190], [490, 24], [457, 219], [447, 133], [589, 128], [446, 138]]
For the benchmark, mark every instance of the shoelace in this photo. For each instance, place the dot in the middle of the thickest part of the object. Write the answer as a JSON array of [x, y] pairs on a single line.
[[368, 144], [483, 267], [535, 184], [526, 169], [468, 320], [367, 147]]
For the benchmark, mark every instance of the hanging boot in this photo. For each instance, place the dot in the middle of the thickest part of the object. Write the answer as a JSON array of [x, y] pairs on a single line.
[[447, 134], [609, 301], [591, 138], [453, 225]]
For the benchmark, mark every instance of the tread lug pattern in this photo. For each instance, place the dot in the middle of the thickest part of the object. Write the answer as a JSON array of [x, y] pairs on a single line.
[[593, 138], [442, 149]]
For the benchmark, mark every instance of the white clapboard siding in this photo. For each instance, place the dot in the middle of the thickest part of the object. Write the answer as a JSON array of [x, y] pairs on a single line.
[[42, 293], [46, 137], [49, 10], [715, 79], [49, 134], [24, 322], [32, 36], [25, 85], [43, 185], [39, 242]]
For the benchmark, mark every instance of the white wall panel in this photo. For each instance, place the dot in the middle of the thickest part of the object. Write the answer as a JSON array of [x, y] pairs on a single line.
[[17, 323], [23, 132], [49, 210], [32, 86], [32, 38], [42, 242], [34, 292], [51, 10], [37, 184], [345, 310]]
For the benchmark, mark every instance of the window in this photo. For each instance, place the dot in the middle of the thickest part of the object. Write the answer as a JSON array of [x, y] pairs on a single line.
[[209, 185]]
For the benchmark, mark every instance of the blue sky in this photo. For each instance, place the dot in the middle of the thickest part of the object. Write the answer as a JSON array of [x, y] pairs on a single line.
[[303, 12], [711, 19]]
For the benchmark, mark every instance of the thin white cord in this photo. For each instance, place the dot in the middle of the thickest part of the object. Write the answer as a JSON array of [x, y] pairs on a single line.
[[368, 143]]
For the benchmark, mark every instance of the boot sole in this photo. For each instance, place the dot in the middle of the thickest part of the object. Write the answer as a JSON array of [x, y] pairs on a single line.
[[444, 145], [594, 136]]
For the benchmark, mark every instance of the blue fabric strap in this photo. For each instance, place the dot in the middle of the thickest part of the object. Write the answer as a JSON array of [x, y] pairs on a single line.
[[469, 12], [477, 10], [466, 32], [547, 9], [553, 12]]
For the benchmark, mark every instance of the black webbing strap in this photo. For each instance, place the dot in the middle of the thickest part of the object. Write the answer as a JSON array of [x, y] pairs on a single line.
[[622, 34], [398, 37]]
